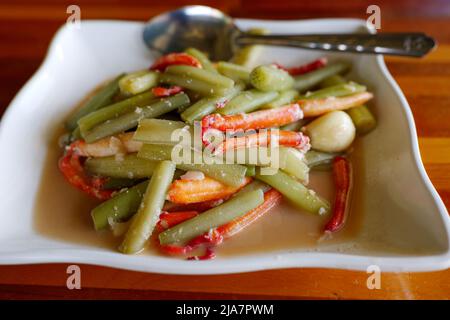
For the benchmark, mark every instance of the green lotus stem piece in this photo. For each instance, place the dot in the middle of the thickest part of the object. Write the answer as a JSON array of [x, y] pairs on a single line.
[[270, 78], [237, 206], [202, 58], [296, 192], [363, 119], [138, 82], [131, 119], [130, 166], [311, 79], [119, 208], [144, 221], [101, 99], [248, 101]]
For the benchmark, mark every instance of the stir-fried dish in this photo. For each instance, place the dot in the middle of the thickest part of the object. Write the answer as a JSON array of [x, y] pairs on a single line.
[[189, 152]]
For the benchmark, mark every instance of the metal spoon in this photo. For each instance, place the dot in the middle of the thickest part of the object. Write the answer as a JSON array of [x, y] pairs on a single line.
[[212, 31]]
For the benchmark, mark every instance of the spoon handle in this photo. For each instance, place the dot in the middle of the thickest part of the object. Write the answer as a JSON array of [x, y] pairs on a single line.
[[400, 44]]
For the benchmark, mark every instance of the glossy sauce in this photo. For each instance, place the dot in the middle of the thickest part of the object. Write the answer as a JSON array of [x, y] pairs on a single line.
[[288, 228], [63, 213]]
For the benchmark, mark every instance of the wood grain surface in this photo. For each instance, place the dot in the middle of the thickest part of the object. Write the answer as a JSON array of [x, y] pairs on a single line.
[[26, 28]]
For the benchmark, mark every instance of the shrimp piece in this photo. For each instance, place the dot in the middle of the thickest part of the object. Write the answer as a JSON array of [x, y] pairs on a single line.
[[191, 191], [262, 139], [71, 167], [317, 107], [120, 144], [254, 120]]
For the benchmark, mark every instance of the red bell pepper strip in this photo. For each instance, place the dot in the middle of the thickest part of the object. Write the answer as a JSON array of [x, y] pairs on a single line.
[[317, 107], [314, 65], [173, 59], [342, 180], [166, 92], [255, 120], [71, 167]]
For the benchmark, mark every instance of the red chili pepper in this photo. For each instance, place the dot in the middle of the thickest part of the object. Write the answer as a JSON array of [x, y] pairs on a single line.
[[342, 180], [208, 255], [174, 250], [174, 59], [168, 220], [71, 167], [184, 250], [295, 71], [166, 92]]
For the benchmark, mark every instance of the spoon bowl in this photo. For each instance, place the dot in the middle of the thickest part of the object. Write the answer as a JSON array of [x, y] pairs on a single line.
[[201, 27], [215, 33]]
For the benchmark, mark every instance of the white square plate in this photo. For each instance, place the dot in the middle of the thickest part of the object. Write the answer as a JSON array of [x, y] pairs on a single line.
[[406, 226]]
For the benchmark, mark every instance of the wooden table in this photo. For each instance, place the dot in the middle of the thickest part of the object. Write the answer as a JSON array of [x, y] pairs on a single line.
[[26, 28]]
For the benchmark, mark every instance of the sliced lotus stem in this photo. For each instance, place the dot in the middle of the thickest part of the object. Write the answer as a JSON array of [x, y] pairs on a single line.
[[317, 107], [263, 138], [342, 179], [147, 216], [271, 199], [192, 191], [255, 120], [175, 59], [237, 206], [216, 236], [109, 146], [166, 92], [168, 220]]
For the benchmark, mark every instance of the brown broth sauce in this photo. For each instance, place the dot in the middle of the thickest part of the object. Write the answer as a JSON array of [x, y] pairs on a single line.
[[63, 212], [288, 228]]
